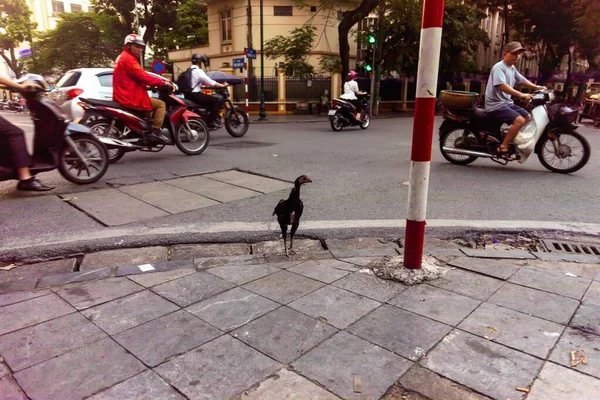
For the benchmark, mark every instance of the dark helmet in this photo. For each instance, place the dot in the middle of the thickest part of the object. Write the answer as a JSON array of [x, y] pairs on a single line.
[[200, 58]]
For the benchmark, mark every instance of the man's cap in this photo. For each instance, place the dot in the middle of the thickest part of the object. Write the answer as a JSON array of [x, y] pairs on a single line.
[[513, 47]]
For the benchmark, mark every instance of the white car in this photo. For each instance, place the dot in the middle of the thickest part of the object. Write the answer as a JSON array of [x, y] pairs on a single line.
[[93, 83]]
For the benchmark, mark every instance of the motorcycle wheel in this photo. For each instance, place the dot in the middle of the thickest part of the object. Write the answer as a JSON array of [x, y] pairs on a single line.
[[569, 145], [366, 122], [336, 123], [236, 122], [450, 138], [98, 128], [195, 141], [71, 167]]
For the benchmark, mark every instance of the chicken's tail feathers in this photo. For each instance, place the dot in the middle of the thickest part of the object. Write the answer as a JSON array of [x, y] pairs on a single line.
[[279, 207]]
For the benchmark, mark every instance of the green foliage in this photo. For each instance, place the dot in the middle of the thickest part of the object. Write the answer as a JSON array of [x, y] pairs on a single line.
[[330, 64], [16, 29], [190, 29], [293, 49]]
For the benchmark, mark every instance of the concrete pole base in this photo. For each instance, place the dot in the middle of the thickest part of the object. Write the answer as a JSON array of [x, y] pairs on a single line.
[[392, 268]]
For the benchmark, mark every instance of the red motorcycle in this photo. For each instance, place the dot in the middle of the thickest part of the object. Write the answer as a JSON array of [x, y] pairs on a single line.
[[128, 132]]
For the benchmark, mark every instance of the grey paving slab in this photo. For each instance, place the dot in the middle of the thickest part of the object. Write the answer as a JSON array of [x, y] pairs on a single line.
[[335, 363], [468, 284], [483, 253], [572, 340], [359, 243], [89, 294], [146, 385], [443, 252], [299, 256], [374, 252], [287, 264], [30, 312], [166, 337], [125, 313], [360, 261], [369, 285], [33, 345], [3, 369], [79, 373], [438, 304], [149, 268], [319, 272], [435, 387], [597, 277], [10, 390], [514, 329], [339, 307], [284, 334], [206, 250], [169, 198], [535, 302], [276, 246], [286, 384], [156, 278], [487, 367], [17, 297], [232, 309], [556, 382], [582, 270], [592, 296], [240, 274], [587, 318], [283, 286], [552, 282], [73, 277], [330, 263], [192, 288], [567, 257], [215, 190], [18, 285], [405, 333], [38, 269], [112, 207], [251, 181], [202, 263], [116, 258], [496, 268], [217, 370]]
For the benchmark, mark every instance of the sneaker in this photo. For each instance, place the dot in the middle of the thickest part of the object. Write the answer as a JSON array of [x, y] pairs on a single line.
[[33, 185], [158, 137]]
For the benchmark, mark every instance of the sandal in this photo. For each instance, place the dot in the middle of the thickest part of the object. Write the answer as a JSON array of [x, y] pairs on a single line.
[[503, 153]]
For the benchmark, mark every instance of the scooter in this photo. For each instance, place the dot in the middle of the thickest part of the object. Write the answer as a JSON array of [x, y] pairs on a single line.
[[58, 143], [343, 113], [468, 134], [128, 132]]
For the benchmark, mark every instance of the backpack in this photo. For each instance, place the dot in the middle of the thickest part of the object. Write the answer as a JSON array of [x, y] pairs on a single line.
[[184, 81]]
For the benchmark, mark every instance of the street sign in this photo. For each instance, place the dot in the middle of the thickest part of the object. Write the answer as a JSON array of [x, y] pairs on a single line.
[[25, 52], [238, 62], [159, 67], [251, 53]]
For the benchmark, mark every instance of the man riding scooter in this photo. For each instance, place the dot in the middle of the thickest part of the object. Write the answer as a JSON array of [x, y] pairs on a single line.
[[129, 88]]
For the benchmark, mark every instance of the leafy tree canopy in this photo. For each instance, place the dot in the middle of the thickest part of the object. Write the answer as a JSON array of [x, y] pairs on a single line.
[[15, 28], [293, 49]]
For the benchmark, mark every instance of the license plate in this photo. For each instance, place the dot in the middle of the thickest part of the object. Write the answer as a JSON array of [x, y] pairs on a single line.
[[332, 112]]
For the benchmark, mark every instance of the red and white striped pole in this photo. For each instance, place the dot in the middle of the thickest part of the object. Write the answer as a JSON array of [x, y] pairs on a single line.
[[427, 73], [246, 87]]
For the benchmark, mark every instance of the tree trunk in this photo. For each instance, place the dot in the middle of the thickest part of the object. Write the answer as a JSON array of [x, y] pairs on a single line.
[[378, 61], [350, 19], [12, 62], [568, 81]]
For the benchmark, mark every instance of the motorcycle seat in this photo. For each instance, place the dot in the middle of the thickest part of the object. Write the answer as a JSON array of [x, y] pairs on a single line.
[[190, 103], [104, 103], [481, 114]]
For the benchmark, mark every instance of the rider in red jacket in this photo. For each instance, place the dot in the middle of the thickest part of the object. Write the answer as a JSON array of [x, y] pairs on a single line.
[[129, 87]]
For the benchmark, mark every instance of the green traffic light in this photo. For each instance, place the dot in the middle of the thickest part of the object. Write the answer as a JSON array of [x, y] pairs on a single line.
[[368, 68], [371, 39]]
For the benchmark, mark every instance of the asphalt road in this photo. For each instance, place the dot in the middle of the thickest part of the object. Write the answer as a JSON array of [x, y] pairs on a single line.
[[357, 174]]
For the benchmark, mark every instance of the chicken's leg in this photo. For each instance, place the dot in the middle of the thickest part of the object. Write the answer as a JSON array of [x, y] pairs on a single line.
[[292, 232], [284, 234]]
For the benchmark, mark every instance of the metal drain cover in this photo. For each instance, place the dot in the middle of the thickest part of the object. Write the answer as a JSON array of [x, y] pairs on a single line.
[[245, 144], [561, 246]]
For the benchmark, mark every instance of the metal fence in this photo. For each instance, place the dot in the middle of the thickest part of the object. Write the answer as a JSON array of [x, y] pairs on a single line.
[[303, 89], [239, 93]]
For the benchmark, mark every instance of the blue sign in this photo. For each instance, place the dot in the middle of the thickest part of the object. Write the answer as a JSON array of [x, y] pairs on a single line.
[[238, 63], [159, 67], [251, 53], [25, 52]]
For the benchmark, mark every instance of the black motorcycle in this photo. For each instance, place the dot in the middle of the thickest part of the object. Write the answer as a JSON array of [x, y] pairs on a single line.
[[343, 113], [58, 143], [234, 118]]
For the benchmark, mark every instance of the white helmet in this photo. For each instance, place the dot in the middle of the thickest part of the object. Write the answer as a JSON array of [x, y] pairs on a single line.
[[132, 38]]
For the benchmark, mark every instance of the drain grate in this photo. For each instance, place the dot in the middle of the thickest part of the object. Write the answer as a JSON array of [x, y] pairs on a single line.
[[555, 246]]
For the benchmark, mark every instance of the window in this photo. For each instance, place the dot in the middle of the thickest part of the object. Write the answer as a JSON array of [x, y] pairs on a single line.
[[313, 8], [226, 26], [283, 11], [105, 80], [69, 79], [76, 8], [58, 7]]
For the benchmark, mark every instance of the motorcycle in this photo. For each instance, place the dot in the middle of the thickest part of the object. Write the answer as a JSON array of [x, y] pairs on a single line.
[[128, 132], [234, 118], [466, 135], [343, 113], [58, 143]]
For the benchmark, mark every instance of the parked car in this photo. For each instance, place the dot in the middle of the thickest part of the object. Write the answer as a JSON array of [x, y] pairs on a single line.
[[91, 83]]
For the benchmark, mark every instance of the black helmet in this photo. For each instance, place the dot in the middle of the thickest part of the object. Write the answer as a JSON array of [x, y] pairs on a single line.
[[196, 58]]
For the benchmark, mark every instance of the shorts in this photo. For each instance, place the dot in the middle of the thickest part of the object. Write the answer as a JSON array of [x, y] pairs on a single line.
[[509, 113]]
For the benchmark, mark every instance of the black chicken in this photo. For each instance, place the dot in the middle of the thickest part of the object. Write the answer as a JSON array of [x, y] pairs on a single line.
[[289, 212]]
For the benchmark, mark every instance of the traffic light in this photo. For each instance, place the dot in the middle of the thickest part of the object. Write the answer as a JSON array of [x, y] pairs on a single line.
[[371, 39], [368, 62]]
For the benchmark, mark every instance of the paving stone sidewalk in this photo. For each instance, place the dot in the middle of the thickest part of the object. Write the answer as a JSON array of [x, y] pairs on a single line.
[[242, 321]]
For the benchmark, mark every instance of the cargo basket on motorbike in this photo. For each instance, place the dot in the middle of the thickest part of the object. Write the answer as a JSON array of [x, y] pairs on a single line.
[[459, 99]]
